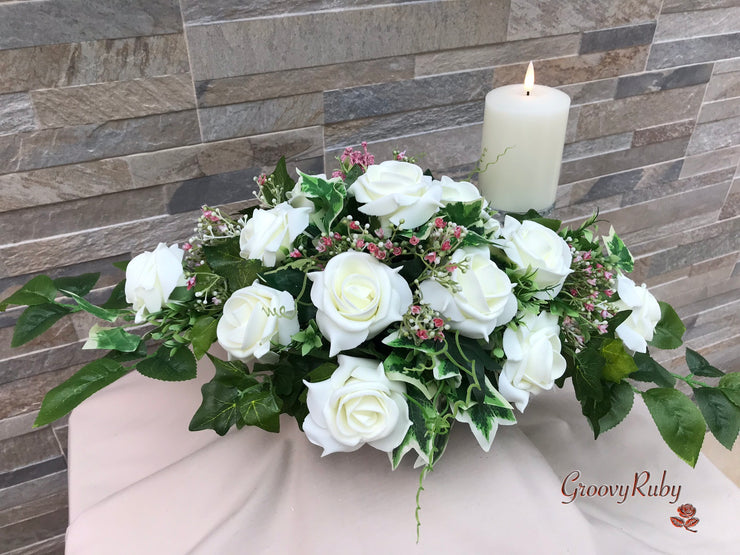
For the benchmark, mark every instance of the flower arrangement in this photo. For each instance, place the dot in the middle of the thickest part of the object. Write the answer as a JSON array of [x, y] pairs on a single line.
[[380, 306]]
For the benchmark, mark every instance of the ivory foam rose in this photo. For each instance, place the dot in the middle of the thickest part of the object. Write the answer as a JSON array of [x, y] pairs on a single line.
[[484, 301], [358, 404], [357, 297], [533, 359], [639, 326], [397, 192], [253, 318], [151, 277], [269, 234], [532, 246]]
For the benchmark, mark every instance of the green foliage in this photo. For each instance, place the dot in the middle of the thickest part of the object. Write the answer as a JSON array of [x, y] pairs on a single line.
[[462, 213], [533, 215], [39, 290], [36, 319], [699, 366], [669, 330], [224, 259], [116, 339], [79, 285], [679, 422], [276, 189], [621, 398], [90, 378], [618, 252], [203, 334], [327, 196], [720, 414], [309, 338], [618, 363], [170, 365], [648, 370], [102, 313], [117, 298], [729, 384]]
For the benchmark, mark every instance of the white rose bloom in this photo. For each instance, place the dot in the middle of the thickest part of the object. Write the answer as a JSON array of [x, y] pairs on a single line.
[[457, 191], [396, 191], [485, 301], [533, 246], [253, 318], [358, 404], [357, 297], [269, 234], [533, 359], [639, 326], [151, 277]]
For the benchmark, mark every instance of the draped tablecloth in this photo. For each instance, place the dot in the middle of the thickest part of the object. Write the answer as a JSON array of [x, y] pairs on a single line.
[[141, 483]]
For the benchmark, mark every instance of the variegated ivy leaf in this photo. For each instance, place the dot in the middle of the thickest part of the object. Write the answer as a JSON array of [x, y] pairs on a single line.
[[619, 252], [445, 369], [419, 437], [485, 418], [396, 368]]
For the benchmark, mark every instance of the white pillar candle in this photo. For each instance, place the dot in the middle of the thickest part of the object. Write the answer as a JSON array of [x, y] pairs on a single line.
[[529, 120]]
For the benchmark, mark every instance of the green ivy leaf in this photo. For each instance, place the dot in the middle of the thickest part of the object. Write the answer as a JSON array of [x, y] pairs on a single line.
[[462, 213], [39, 290], [729, 384], [618, 252], [163, 365], [699, 366], [396, 368], [619, 364], [36, 319], [281, 184], [116, 339], [285, 279], [419, 438], [327, 197], [117, 299], [79, 285], [260, 408], [90, 378], [679, 422], [622, 398], [650, 371], [722, 417], [535, 216], [121, 264], [669, 330], [202, 335], [218, 409], [224, 259]]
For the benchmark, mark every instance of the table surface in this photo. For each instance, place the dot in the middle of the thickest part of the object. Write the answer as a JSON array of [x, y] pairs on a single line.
[[141, 483]]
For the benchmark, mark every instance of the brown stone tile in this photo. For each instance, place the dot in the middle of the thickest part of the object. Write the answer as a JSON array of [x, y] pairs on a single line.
[[246, 88], [677, 6], [27, 449], [81, 63], [635, 112], [711, 161], [102, 102], [591, 91], [36, 507], [731, 205], [536, 19], [661, 133], [59, 334], [33, 489], [683, 25], [36, 529], [721, 109], [25, 395], [723, 85], [52, 546], [576, 69], [10, 147], [505, 53]]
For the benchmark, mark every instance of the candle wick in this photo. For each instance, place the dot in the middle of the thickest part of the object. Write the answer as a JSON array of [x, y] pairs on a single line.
[[527, 93]]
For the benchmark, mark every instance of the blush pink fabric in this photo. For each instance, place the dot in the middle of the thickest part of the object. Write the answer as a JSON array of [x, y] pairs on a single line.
[[141, 483]]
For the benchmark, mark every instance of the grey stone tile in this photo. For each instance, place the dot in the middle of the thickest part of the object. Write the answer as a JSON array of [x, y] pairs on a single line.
[[64, 217], [60, 334], [572, 126], [727, 66], [723, 85], [721, 109], [197, 12], [25, 395], [619, 37], [731, 205], [603, 164], [339, 135], [180, 164], [592, 91], [69, 145], [25, 450], [46, 360], [674, 6], [660, 186], [439, 150], [51, 546], [111, 101], [577, 69], [505, 53], [43, 505], [35, 529], [251, 46], [59, 21], [693, 51], [61, 183], [684, 25], [715, 135], [246, 88], [665, 132], [32, 471], [402, 96], [533, 19], [262, 116], [10, 148], [61, 65], [711, 161], [655, 81], [626, 114], [16, 113], [33, 490], [593, 147], [17, 425]]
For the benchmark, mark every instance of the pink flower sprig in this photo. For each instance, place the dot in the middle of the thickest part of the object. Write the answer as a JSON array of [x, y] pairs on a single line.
[[422, 323], [351, 158]]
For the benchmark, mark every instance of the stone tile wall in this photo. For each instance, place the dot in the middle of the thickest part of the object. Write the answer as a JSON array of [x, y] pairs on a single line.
[[118, 118]]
